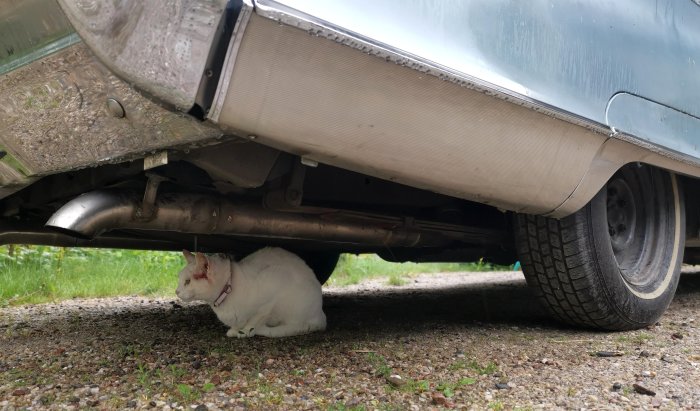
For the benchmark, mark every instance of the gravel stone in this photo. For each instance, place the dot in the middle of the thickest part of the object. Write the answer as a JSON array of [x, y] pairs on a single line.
[[395, 380], [609, 354], [451, 337], [643, 390]]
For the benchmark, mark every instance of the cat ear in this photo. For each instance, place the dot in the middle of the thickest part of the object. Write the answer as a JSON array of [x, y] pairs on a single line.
[[202, 266], [201, 259], [188, 256]]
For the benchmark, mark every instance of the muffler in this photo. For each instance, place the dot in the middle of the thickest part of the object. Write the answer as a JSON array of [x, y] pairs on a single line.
[[97, 212]]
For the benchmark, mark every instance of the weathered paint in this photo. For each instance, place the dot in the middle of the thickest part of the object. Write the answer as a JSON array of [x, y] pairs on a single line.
[[563, 57], [160, 47], [54, 117]]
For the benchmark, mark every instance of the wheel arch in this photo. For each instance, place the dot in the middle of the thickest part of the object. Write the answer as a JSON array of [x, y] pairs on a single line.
[[612, 156]]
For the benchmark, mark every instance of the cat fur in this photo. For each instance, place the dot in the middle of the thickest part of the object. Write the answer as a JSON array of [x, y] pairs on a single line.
[[273, 292]]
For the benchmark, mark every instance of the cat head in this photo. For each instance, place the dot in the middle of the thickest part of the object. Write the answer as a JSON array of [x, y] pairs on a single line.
[[195, 282]]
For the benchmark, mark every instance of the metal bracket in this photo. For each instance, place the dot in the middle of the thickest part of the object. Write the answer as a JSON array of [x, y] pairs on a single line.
[[291, 195], [155, 160], [148, 208]]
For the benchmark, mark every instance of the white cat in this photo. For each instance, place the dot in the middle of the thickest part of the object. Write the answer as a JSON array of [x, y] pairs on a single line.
[[271, 292]]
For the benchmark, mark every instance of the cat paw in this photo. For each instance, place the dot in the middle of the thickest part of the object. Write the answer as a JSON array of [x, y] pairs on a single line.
[[246, 333], [241, 333]]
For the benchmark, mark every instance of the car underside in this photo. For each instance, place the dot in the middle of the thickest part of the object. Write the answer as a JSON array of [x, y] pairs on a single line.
[[307, 208], [227, 126]]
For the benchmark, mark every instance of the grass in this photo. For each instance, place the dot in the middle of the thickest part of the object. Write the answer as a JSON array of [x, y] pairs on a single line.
[[379, 364], [169, 380], [381, 369], [448, 388], [352, 269], [38, 274], [638, 339], [496, 406], [396, 280], [488, 369], [187, 393], [339, 406]]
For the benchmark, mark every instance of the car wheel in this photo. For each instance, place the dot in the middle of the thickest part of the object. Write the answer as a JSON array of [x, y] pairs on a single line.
[[322, 263], [614, 264]]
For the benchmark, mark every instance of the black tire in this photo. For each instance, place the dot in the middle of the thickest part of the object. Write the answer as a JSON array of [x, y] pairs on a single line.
[[322, 263], [614, 264]]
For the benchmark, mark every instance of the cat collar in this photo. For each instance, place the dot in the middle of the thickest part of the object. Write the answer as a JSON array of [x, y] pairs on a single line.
[[225, 292]]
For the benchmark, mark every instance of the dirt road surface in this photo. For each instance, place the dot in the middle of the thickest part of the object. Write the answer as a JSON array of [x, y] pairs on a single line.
[[472, 341]]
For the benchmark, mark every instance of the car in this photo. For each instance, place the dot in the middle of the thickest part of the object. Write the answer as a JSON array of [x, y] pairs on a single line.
[[563, 135]]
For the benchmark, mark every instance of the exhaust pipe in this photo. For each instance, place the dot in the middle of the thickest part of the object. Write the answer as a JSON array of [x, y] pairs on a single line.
[[27, 234], [94, 213]]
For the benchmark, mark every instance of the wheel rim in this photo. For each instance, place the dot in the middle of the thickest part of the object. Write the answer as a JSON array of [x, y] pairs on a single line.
[[633, 221], [622, 216]]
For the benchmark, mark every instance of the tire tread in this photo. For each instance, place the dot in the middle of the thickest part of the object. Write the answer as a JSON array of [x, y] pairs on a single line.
[[559, 272]]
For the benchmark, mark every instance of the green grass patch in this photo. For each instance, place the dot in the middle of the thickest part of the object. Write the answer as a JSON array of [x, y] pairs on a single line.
[[496, 406], [488, 369], [396, 280], [379, 363], [38, 274], [416, 386], [352, 269], [448, 388], [187, 393], [638, 338], [339, 406]]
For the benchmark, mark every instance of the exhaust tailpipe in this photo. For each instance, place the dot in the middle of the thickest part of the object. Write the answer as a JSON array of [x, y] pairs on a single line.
[[97, 212]]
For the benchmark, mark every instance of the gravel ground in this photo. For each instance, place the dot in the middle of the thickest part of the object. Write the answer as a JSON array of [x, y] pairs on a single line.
[[471, 340]]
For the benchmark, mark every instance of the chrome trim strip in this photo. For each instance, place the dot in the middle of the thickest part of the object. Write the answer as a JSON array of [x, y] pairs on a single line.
[[320, 28], [230, 61], [42, 52], [653, 122], [277, 11]]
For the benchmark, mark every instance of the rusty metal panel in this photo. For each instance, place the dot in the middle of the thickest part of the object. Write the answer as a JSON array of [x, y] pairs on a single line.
[[54, 116], [160, 47]]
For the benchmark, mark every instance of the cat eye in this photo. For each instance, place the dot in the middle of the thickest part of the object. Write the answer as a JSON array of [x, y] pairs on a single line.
[[187, 282]]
